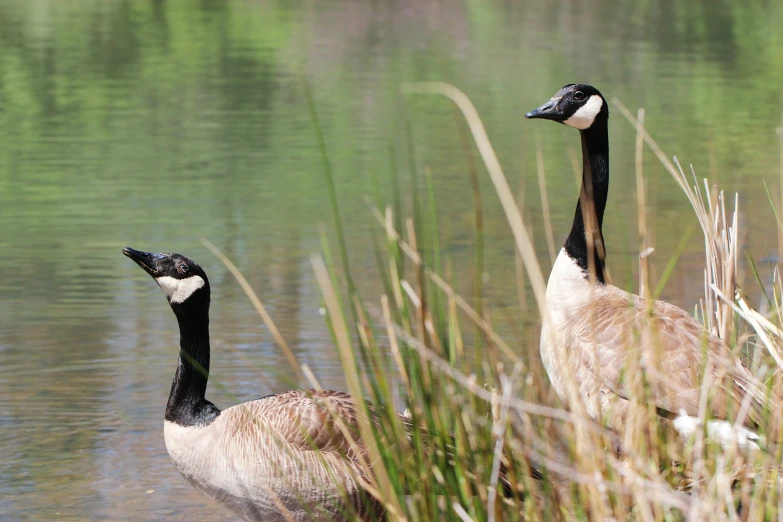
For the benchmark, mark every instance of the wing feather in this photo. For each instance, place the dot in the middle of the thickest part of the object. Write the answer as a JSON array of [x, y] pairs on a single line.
[[674, 350], [303, 420]]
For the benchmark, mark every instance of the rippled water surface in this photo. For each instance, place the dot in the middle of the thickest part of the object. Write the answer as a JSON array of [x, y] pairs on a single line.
[[151, 123]]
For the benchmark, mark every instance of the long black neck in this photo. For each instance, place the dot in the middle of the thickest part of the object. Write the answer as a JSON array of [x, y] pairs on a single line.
[[187, 405], [585, 243]]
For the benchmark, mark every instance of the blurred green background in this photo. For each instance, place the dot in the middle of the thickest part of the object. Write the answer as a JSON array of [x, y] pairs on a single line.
[[149, 123]]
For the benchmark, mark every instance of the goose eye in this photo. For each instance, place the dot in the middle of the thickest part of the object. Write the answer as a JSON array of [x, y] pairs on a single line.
[[579, 95], [182, 268]]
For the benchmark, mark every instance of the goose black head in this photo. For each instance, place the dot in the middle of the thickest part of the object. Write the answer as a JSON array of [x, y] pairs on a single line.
[[182, 280], [575, 105]]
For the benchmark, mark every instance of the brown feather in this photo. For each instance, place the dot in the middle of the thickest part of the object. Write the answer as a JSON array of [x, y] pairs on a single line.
[[286, 450], [601, 326]]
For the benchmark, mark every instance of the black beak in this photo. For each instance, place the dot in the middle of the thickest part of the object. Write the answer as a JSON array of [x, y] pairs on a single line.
[[548, 111], [147, 260]]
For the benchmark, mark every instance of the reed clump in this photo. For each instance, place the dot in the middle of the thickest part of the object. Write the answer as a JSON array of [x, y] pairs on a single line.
[[482, 441]]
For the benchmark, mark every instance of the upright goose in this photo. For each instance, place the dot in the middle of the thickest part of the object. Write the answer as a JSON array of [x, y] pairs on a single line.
[[593, 325], [279, 458]]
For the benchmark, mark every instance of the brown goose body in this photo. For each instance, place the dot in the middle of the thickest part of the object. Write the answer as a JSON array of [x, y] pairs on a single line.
[[278, 458], [593, 327], [596, 328]]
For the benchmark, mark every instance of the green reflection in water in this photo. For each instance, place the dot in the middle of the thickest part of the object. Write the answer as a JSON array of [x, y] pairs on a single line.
[[150, 123]]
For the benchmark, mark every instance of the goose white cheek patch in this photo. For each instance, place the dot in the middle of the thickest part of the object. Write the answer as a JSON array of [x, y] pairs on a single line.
[[179, 289], [585, 116]]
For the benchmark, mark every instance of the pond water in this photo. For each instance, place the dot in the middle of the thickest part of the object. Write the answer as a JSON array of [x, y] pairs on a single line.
[[151, 123]]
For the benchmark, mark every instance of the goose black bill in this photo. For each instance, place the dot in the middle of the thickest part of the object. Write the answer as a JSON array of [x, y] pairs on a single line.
[[146, 260]]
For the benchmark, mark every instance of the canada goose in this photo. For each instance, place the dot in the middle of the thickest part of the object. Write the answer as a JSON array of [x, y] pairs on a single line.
[[593, 325], [278, 458], [274, 459]]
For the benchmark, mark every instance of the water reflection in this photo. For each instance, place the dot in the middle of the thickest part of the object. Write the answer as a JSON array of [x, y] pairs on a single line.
[[152, 123]]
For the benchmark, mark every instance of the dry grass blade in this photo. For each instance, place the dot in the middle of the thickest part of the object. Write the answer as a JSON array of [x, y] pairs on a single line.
[[525, 246], [414, 256], [347, 435], [499, 431], [518, 404], [720, 235], [651, 143], [461, 513], [760, 324], [641, 204], [379, 472], [780, 202], [289, 354]]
